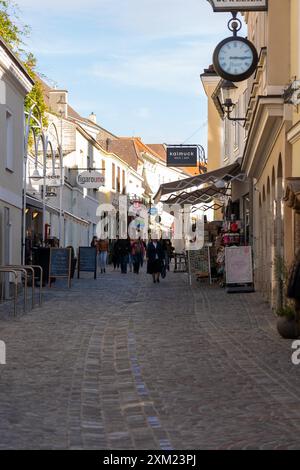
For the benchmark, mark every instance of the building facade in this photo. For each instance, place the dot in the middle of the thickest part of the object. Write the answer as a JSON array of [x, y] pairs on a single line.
[[15, 83], [266, 144]]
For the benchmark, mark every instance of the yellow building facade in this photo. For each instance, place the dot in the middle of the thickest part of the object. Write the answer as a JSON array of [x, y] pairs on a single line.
[[267, 155], [292, 195], [269, 143]]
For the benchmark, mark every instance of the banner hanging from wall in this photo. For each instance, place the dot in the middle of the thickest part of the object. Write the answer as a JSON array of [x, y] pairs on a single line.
[[238, 5]]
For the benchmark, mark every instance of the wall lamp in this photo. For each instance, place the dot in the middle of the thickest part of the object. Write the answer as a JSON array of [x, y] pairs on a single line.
[[228, 106]]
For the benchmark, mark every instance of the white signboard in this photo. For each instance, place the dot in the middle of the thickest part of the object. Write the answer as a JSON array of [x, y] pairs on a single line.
[[53, 178], [91, 180], [239, 268], [239, 5]]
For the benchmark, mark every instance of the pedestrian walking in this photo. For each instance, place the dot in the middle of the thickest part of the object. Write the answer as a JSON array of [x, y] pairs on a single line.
[[143, 251], [130, 261], [116, 253], [124, 250], [168, 250], [94, 243], [136, 253], [103, 252], [155, 258]]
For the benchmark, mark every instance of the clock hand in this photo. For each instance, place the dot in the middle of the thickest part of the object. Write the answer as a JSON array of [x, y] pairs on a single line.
[[240, 58]]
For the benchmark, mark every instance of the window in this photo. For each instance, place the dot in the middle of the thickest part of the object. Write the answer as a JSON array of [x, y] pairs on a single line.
[[113, 184], [119, 180], [227, 139], [124, 182], [245, 106], [236, 127], [9, 142]]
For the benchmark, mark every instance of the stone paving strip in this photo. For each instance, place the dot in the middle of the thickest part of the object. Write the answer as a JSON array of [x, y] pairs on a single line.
[[121, 363]]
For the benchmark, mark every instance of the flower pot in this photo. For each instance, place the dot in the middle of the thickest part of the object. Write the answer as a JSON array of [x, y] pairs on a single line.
[[288, 328]]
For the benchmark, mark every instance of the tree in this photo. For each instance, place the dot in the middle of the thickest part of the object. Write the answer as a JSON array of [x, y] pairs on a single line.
[[14, 35]]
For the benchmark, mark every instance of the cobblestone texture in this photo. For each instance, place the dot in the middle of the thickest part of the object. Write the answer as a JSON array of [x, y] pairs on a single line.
[[121, 363]]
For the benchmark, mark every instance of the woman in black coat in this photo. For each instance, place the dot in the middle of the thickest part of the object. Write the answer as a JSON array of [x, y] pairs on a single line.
[[155, 257]]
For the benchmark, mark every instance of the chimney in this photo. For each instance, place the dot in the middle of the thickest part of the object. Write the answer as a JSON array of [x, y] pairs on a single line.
[[58, 102], [93, 118]]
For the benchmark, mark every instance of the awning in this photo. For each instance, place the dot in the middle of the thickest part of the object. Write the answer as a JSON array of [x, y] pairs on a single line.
[[200, 196], [38, 204], [227, 173], [76, 219], [292, 194]]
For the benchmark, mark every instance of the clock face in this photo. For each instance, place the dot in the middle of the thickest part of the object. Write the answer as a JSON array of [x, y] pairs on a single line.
[[235, 59]]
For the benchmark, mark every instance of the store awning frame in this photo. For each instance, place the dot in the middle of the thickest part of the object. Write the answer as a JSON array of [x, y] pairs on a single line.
[[227, 173], [200, 196], [38, 204]]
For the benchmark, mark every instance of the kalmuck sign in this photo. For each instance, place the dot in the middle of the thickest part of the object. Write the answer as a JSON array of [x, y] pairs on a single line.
[[182, 156], [91, 180], [238, 5]]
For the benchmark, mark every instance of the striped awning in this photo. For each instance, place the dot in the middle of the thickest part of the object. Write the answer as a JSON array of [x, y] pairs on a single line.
[[227, 173]]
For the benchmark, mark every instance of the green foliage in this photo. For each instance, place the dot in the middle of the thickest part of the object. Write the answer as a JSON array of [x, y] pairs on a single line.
[[14, 35], [288, 311]]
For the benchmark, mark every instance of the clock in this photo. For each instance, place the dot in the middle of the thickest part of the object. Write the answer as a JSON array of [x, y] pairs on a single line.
[[235, 59]]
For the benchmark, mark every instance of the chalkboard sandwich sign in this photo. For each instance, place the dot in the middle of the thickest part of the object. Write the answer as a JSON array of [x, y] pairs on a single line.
[[60, 264], [87, 261]]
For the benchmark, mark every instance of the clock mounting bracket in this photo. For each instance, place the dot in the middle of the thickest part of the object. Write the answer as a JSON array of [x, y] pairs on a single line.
[[234, 24]]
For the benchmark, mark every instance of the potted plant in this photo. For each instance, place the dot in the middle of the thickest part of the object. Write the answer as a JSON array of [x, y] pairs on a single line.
[[288, 325]]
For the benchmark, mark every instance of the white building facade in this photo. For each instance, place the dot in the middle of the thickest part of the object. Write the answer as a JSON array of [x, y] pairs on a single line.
[[15, 84]]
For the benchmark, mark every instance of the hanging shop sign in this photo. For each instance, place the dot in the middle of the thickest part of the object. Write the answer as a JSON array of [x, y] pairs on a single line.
[[53, 178], [182, 156], [153, 211], [51, 191], [238, 5], [137, 204], [91, 180]]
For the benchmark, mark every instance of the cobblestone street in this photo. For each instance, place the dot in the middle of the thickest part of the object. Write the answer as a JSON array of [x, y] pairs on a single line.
[[121, 363]]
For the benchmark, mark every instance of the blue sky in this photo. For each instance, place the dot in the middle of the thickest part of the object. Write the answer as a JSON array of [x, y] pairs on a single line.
[[135, 63]]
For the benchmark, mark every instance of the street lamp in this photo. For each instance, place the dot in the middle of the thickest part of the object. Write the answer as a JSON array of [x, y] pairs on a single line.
[[36, 176], [226, 102], [34, 127]]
